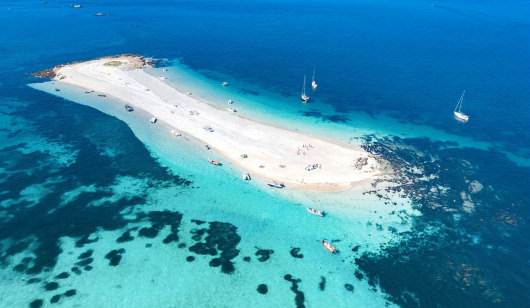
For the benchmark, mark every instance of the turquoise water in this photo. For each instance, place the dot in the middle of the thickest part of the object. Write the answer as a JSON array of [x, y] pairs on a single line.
[[100, 208], [265, 219]]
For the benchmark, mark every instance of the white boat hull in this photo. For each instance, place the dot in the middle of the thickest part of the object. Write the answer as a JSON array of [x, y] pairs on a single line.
[[276, 184], [460, 116], [315, 212]]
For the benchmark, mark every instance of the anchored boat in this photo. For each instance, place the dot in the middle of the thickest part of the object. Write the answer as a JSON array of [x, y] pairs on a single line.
[[129, 108], [214, 162], [459, 115], [329, 247], [315, 212], [275, 184], [314, 84], [153, 120], [246, 176], [304, 97]]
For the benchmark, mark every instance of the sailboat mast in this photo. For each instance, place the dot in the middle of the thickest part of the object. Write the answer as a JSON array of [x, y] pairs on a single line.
[[303, 87], [460, 101]]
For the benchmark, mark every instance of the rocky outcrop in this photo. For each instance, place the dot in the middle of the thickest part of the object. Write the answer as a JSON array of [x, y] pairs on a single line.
[[140, 62]]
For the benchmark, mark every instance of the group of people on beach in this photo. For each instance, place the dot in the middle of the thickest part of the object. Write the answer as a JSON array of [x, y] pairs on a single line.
[[313, 167], [305, 147], [281, 166]]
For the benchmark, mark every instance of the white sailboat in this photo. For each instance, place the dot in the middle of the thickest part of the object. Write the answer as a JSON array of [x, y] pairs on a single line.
[[314, 84], [305, 98], [459, 115]]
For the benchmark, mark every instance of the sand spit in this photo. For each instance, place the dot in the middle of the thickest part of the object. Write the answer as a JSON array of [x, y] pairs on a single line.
[[296, 159]]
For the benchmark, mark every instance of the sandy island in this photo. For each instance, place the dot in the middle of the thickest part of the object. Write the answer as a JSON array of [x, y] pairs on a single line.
[[294, 158]]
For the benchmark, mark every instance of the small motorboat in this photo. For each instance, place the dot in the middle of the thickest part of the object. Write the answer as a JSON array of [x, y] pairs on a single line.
[[129, 108], [188, 93], [224, 84], [77, 6], [214, 162], [165, 69], [246, 176], [244, 155], [207, 147], [275, 184], [175, 133], [329, 247], [57, 89], [231, 110], [102, 95], [230, 102], [153, 120], [87, 92], [315, 212]]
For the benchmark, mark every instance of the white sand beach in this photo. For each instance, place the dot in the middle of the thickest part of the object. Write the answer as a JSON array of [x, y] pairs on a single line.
[[296, 159]]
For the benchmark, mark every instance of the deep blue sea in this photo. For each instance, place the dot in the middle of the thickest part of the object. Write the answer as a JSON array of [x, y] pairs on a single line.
[[100, 209]]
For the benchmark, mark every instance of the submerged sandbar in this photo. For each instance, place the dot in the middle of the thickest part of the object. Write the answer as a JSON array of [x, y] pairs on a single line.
[[294, 158]]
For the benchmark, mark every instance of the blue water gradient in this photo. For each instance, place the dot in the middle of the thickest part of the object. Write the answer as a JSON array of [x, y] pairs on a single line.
[[74, 179]]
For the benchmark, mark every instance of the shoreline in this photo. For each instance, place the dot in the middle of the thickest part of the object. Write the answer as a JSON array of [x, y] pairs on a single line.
[[273, 153]]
